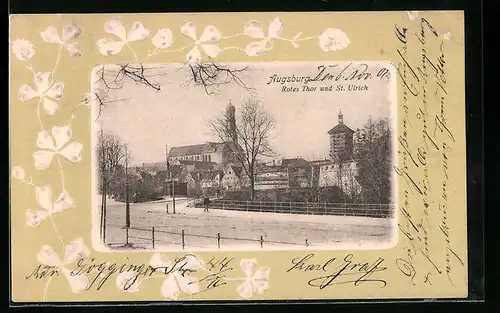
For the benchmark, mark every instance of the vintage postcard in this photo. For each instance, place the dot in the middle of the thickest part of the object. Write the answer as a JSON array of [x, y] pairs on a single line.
[[242, 156]]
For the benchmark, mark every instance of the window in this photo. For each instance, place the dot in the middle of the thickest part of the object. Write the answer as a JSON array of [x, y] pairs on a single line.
[[209, 158]]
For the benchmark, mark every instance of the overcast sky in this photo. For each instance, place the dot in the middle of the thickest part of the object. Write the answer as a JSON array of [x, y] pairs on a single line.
[[177, 115]]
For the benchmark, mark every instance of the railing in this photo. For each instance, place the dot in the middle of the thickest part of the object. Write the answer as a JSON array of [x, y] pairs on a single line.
[[309, 208], [149, 237]]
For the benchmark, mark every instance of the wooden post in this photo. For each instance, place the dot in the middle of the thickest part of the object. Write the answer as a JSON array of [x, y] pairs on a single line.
[[126, 236], [325, 208], [290, 208], [218, 240], [153, 236], [127, 200], [182, 237], [261, 241], [104, 227], [307, 208]]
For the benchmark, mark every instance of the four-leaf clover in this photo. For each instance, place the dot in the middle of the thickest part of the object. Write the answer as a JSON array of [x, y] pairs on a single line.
[[44, 199], [178, 279], [211, 33], [69, 32], [23, 49], [162, 39], [56, 145], [46, 90], [254, 29], [333, 39], [115, 27], [73, 252], [257, 279]]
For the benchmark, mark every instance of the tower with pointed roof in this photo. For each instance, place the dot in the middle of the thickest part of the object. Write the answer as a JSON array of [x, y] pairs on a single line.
[[231, 120], [341, 140]]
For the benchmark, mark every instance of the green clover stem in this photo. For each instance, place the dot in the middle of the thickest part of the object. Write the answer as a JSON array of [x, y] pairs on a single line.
[[57, 60], [233, 36], [38, 113], [46, 288], [133, 52], [62, 173], [232, 48], [56, 231]]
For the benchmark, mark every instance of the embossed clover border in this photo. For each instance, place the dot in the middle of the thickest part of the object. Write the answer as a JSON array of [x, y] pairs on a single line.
[[56, 146]]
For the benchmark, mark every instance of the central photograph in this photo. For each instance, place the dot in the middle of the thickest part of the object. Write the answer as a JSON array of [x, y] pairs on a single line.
[[257, 156]]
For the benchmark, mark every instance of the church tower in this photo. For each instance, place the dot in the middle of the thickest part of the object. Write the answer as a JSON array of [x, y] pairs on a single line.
[[231, 120], [341, 140]]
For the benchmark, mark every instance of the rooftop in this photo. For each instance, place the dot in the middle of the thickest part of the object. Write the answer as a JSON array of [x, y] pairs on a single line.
[[339, 129], [193, 149]]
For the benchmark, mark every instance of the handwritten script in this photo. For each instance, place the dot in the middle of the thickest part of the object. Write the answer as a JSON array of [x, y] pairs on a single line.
[[210, 276], [425, 139]]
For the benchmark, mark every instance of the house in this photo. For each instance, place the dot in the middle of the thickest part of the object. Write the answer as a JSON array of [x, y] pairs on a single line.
[[271, 177], [154, 167], [299, 172], [191, 166], [233, 177], [342, 175], [204, 182], [316, 166]]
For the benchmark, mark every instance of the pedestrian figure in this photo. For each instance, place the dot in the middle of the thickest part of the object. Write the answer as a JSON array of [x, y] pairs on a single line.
[[205, 204], [166, 206]]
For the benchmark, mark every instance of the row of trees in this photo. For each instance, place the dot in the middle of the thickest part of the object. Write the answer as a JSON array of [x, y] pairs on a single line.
[[115, 179]]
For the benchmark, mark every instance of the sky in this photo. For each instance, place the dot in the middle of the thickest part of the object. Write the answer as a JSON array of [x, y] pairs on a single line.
[[148, 120]]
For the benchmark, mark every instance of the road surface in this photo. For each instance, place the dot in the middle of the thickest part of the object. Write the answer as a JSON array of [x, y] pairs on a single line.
[[279, 231]]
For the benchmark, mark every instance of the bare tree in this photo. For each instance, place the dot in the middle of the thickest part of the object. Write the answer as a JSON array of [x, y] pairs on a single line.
[[110, 153], [210, 76], [247, 137]]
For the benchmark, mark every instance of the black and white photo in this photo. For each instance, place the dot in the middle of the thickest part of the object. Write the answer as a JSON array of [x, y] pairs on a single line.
[[257, 156]]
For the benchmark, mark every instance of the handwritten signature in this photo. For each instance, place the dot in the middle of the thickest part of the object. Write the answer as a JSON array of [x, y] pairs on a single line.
[[340, 271]]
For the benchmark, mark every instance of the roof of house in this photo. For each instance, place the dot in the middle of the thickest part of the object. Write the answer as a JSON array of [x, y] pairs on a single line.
[[193, 149], [204, 175], [155, 166], [236, 169], [340, 128], [295, 162], [270, 168], [321, 162], [197, 164]]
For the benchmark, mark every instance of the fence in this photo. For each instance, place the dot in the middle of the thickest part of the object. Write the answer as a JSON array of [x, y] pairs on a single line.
[[310, 208], [153, 240]]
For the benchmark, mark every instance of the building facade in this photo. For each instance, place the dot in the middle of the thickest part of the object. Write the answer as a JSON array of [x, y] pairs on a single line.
[[233, 178]]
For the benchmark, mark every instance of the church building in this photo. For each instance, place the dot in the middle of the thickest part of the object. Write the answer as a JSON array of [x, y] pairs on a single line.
[[214, 152]]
